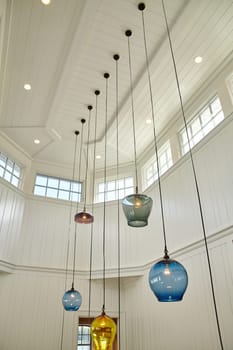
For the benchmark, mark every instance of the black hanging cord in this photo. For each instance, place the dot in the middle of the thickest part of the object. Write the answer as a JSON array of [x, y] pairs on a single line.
[[116, 58], [79, 174], [128, 34], [68, 243], [88, 140], [106, 76], [195, 179], [97, 92], [141, 7]]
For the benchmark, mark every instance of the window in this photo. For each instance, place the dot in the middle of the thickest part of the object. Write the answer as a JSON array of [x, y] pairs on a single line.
[[111, 189], [150, 173], [54, 187], [84, 335], [206, 120], [9, 170]]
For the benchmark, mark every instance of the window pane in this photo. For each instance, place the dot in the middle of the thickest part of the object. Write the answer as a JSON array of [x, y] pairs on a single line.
[[9, 166], [216, 106], [41, 180], [206, 116], [128, 182], [121, 194], [100, 197], [120, 183], [110, 196], [111, 186], [218, 118], [1, 171], [52, 182], [15, 181], [128, 191], [76, 187], [101, 187], [65, 185], [63, 195], [51, 192], [39, 191], [7, 176], [196, 126], [3, 160], [75, 197]]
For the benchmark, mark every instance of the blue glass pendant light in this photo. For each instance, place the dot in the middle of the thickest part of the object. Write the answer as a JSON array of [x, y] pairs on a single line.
[[168, 279], [72, 299], [137, 207], [84, 217]]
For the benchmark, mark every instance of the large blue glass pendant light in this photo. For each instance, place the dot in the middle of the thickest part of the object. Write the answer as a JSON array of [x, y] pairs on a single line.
[[103, 327], [72, 299], [168, 279], [84, 217], [137, 207], [195, 181]]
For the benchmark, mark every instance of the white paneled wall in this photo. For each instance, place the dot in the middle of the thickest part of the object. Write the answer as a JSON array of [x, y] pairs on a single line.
[[11, 214]]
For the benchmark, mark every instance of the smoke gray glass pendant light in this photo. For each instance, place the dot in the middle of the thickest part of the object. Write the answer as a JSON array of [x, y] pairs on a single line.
[[84, 217], [71, 299], [168, 278], [137, 207], [195, 181]]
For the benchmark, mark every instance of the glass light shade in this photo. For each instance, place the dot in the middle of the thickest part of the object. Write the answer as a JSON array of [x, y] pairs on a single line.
[[72, 300], [168, 280], [84, 218], [103, 331], [137, 208]]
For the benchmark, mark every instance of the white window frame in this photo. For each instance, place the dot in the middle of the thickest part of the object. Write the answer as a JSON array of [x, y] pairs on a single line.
[[10, 170], [111, 190], [213, 118], [149, 170], [72, 194]]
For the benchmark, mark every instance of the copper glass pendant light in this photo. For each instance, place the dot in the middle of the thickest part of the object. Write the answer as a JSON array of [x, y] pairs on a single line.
[[103, 328], [84, 217], [72, 299], [168, 278], [137, 207]]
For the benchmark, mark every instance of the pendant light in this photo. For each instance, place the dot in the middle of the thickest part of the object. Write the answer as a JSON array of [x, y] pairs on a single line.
[[72, 299], [168, 278], [97, 93], [84, 217], [116, 58], [195, 182], [137, 207], [103, 328]]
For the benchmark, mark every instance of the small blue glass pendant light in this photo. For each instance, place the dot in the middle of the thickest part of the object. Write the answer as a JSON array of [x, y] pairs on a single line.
[[137, 207], [168, 279], [72, 299], [84, 217]]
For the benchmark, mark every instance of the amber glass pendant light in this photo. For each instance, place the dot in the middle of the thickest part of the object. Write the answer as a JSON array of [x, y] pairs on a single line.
[[72, 299], [103, 328], [168, 278], [84, 217], [137, 207]]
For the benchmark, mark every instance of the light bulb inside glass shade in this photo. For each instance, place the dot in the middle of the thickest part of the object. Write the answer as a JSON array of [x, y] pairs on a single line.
[[103, 332], [168, 280], [72, 300], [137, 208], [84, 218]]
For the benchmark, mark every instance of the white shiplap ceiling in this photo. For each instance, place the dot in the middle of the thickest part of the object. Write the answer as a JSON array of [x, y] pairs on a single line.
[[63, 49]]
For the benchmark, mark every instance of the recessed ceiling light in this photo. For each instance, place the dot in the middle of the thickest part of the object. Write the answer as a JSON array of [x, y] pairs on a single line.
[[46, 2], [198, 59], [98, 157], [36, 141], [148, 121], [27, 86]]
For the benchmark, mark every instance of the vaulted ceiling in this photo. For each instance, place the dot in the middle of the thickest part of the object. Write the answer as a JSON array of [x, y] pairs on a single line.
[[64, 48]]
